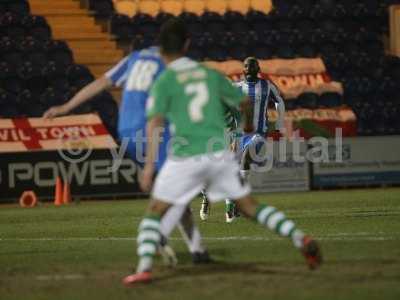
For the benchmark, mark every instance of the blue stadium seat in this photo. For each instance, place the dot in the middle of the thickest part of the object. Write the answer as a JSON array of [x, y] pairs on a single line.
[[162, 17], [8, 104], [51, 97], [213, 22], [216, 53], [140, 42], [330, 100], [260, 22], [194, 24], [121, 26], [32, 77], [102, 8], [59, 52], [308, 100], [306, 50], [145, 24], [26, 102], [34, 51], [20, 7], [79, 75], [237, 22]]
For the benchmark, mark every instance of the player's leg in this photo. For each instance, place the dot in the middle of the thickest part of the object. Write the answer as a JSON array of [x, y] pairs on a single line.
[[192, 237], [190, 174], [205, 206], [277, 222], [230, 183], [148, 240], [231, 212], [183, 217]]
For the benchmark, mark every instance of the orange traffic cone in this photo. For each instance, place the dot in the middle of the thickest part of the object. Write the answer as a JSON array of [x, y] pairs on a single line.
[[58, 197], [28, 199], [66, 193]]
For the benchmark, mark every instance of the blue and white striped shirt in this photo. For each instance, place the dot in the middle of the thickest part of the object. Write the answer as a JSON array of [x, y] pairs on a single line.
[[136, 74], [260, 93]]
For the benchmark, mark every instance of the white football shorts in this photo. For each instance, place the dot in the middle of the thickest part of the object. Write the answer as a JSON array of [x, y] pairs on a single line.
[[182, 179]]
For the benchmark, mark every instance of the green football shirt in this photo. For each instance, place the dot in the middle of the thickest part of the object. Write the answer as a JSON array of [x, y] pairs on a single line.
[[192, 97]]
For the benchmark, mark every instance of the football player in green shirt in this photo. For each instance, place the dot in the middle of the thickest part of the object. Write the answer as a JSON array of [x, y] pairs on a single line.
[[192, 98]]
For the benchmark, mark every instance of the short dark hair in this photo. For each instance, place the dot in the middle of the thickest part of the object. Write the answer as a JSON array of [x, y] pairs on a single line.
[[173, 35]]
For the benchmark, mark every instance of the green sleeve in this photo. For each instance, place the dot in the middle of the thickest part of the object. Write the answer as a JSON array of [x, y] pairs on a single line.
[[158, 102], [231, 95]]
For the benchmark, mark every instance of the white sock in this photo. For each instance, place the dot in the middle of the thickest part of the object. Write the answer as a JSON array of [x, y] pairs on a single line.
[[228, 201], [245, 174], [145, 264], [192, 239], [191, 235], [171, 218]]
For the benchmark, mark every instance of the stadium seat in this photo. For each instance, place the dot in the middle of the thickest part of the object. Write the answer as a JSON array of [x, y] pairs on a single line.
[[56, 76], [140, 42], [59, 52], [19, 7], [51, 97], [260, 22], [194, 6], [163, 17], [330, 100], [102, 8], [121, 26], [216, 6], [216, 53], [126, 7], [306, 50], [33, 51], [32, 76], [308, 100], [75, 73], [264, 6], [8, 103], [149, 7], [173, 7], [237, 22], [306, 25], [240, 6], [213, 22], [193, 23], [25, 101]]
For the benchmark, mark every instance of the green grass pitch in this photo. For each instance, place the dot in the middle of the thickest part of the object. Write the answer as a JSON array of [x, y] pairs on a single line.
[[82, 251]]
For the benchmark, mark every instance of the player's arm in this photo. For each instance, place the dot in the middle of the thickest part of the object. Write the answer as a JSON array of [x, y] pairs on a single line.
[[84, 95], [116, 76], [279, 106]]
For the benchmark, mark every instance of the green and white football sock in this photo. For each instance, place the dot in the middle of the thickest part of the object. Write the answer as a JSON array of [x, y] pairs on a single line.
[[229, 205], [148, 239], [276, 221]]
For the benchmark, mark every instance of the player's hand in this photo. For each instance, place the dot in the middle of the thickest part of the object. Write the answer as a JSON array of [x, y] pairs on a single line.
[[146, 181], [55, 111]]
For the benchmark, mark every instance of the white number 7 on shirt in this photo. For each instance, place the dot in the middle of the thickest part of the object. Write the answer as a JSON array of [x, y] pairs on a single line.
[[200, 98]]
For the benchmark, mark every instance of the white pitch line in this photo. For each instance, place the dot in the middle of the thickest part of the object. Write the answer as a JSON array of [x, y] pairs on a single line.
[[361, 236], [59, 277]]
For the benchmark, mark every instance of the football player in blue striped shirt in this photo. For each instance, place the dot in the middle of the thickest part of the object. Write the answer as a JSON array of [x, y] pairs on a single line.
[[260, 92]]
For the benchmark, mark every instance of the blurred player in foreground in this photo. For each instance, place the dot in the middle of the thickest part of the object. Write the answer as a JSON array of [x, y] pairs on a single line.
[[136, 74], [192, 97], [260, 92]]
